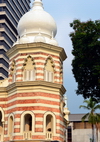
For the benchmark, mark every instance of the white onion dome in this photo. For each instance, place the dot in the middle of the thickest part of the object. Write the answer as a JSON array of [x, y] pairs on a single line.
[[37, 19]]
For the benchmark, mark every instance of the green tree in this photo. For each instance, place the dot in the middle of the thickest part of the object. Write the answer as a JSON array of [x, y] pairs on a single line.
[[92, 117], [86, 63]]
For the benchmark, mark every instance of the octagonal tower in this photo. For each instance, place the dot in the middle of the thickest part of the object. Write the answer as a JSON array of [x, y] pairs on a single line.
[[32, 98]]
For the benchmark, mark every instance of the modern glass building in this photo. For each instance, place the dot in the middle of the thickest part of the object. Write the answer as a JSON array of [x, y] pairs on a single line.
[[10, 13]]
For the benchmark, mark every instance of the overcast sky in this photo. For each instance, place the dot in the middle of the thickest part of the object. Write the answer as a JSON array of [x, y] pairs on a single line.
[[64, 12]]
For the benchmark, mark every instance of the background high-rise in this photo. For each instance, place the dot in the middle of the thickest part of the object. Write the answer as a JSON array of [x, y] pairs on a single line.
[[10, 13]]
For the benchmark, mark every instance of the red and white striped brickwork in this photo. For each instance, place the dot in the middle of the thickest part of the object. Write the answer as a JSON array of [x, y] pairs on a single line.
[[39, 60], [39, 100], [38, 103]]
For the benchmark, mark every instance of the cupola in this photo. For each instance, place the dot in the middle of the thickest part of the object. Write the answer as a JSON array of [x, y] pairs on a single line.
[[37, 25]]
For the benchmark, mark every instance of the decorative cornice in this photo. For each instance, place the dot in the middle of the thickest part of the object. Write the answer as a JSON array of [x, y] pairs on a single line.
[[3, 89], [38, 45], [37, 83]]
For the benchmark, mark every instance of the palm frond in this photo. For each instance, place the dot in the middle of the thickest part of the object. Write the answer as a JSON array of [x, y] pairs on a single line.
[[91, 105], [86, 101], [85, 107], [85, 117], [92, 118], [98, 114], [97, 118], [97, 107]]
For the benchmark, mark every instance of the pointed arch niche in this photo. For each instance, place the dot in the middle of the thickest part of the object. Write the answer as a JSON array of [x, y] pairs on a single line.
[[29, 69], [13, 71], [49, 70]]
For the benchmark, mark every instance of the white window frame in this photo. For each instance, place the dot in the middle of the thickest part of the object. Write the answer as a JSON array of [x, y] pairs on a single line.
[[48, 76], [14, 77], [29, 75]]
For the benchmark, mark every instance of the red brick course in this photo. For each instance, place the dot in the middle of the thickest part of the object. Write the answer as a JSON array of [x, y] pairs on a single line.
[[19, 75], [39, 74], [60, 132], [17, 123], [41, 94], [32, 101], [38, 137], [38, 129], [39, 115], [39, 68], [38, 122], [17, 115], [18, 137], [58, 124], [58, 138], [16, 130], [6, 139], [33, 108]]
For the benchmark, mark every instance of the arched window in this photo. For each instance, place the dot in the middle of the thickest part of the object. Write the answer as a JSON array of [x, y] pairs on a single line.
[[1, 124], [49, 125], [27, 125], [27, 122], [49, 70], [29, 70], [11, 126], [13, 71], [1, 127]]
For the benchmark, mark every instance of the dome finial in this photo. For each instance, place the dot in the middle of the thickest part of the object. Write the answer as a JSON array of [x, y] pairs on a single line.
[[37, 4], [37, 0]]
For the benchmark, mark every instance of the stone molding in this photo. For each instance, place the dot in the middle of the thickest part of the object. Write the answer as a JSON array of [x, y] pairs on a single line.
[[33, 83], [36, 83], [38, 45]]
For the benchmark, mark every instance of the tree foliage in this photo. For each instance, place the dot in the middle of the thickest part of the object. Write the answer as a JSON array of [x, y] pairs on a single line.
[[86, 63], [92, 117], [91, 105]]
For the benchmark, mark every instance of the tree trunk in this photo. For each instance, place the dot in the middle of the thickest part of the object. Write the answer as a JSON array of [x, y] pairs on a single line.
[[92, 132], [96, 133]]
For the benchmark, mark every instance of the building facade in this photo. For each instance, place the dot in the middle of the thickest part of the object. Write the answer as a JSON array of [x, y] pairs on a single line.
[[10, 13], [32, 97], [79, 131]]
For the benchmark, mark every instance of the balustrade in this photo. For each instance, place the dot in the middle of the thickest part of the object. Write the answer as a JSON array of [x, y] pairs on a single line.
[[27, 135], [49, 135]]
